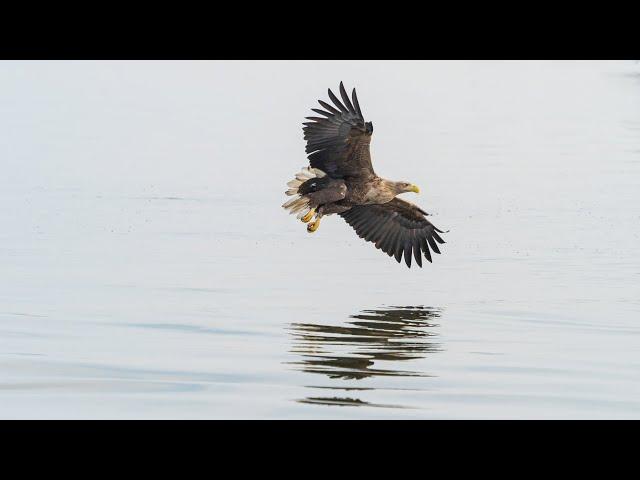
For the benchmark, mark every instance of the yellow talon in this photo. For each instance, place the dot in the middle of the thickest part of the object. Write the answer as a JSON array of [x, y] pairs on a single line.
[[313, 226], [309, 215]]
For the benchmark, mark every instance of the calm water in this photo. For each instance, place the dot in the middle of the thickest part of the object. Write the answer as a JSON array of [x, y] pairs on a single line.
[[148, 270]]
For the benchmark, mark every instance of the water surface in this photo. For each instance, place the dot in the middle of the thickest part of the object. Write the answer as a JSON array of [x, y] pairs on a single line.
[[150, 272]]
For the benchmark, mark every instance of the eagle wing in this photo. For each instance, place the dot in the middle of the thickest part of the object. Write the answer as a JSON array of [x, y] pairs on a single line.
[[396, 227], [338, 142]]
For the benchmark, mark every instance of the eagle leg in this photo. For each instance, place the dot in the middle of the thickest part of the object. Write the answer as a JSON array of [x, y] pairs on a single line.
[[309, 215], [313, 226]]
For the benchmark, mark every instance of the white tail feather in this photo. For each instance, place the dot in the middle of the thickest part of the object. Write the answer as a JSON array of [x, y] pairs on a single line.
[[289, 203], [300, 204]]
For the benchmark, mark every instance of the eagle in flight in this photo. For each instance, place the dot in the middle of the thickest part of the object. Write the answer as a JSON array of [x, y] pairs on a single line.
[[341, 180]]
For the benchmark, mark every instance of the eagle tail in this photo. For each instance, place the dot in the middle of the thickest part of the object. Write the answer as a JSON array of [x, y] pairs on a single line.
[[299, 204]]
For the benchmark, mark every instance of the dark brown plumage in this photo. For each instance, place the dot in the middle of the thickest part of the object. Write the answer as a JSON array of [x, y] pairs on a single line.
[[396, 228], [338, 142], [342, 180]]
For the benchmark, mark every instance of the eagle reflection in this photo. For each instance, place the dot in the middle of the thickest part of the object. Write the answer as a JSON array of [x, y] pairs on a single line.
[[354, 351]]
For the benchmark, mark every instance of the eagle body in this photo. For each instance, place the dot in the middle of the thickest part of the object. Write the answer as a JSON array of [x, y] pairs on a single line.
[[341, 180], [373, 191]]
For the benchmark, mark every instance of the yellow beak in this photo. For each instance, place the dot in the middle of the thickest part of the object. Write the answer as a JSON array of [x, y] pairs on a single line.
[[414, 188]]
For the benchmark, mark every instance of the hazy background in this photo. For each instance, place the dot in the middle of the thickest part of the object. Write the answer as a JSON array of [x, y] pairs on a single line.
[[148, 269]]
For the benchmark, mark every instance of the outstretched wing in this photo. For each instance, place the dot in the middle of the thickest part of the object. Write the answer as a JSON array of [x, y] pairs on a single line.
[[338, 142], [396, 227]]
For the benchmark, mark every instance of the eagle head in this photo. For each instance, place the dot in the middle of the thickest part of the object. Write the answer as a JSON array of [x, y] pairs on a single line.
[[403, 187]]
